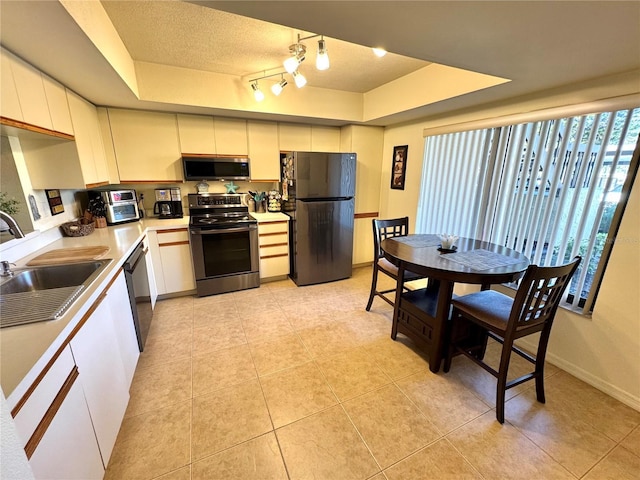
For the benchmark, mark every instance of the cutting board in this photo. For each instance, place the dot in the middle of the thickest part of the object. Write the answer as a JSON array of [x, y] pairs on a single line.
[[69, 255]]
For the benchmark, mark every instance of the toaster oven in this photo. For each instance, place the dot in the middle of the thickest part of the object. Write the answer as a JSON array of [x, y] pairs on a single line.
[[120, 205]]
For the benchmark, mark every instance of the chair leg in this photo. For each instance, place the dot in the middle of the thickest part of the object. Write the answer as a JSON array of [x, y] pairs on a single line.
[[448, 358], [451, 346], [501, 387], [372, 294], [540, 359]]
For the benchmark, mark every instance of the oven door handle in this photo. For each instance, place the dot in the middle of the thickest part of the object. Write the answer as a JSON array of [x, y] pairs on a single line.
[[197, 231]]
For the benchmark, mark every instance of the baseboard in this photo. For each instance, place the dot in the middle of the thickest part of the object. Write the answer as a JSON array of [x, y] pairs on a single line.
[[596, 382], [185, 293], [361, 265], [277, 278]]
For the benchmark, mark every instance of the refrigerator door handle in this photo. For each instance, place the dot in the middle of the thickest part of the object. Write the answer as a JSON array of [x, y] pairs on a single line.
[[325, 199]]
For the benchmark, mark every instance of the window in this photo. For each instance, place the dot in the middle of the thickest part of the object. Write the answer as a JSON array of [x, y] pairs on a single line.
[[549, 189]]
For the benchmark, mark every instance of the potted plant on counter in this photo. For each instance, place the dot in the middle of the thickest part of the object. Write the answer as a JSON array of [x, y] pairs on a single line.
[[10, 206]]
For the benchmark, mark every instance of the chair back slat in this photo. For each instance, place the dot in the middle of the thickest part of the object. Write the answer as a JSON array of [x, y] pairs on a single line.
[[383, 229], [540, 293]]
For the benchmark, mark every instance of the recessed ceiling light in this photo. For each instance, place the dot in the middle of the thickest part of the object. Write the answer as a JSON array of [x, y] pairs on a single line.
[[380, 52]]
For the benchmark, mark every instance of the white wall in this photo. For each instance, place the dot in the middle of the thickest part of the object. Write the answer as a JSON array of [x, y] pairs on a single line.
[[603, 350], [398, 203]]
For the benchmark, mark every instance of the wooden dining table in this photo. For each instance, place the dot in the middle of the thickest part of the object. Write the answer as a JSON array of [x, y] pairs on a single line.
[[423, 314]]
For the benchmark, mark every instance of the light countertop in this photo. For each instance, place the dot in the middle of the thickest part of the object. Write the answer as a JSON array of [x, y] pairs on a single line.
[[26, 349], [270, 216]]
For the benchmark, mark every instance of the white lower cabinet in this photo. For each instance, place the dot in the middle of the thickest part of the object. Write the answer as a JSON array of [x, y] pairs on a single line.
[[55, 427], [68, 449], [273, 238], [172, 264], [122, 317], [102, 376], [153, 288]]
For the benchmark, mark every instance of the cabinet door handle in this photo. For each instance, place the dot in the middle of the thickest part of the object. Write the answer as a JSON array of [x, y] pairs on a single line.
[[50, 414]]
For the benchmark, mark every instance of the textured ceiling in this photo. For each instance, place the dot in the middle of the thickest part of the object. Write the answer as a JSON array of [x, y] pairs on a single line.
[[191, 36], [545, 48]]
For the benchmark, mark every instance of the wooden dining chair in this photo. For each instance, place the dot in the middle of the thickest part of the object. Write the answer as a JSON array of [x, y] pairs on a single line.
[[506, 319], [383, 229]]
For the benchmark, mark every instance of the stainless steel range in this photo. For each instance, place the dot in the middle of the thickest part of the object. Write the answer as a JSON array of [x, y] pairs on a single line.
[[224, 243]]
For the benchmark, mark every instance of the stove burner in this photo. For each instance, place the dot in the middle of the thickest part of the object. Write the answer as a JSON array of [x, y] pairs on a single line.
[[218, 211]]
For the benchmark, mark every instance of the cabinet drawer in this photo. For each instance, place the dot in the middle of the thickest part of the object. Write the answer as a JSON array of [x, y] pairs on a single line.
[[32, 412], [274, 266], [273, 239], [281, 226], [267, 251], [179, 235]]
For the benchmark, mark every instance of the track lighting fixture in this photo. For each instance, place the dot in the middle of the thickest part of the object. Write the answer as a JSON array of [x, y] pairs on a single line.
[[276, 88], [322, 59], [297, 53], [257, 93]]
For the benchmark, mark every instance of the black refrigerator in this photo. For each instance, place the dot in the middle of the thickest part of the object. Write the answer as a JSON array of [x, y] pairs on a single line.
[[319, 190]]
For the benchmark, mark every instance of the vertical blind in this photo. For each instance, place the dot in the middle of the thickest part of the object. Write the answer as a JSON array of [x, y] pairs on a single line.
[[547, 188]]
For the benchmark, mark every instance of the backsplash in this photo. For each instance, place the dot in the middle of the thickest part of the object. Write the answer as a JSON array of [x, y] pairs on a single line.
[[148, 190]]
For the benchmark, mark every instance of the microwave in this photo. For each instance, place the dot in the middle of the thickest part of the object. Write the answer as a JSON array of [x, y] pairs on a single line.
[[120, 206], [215, 168]]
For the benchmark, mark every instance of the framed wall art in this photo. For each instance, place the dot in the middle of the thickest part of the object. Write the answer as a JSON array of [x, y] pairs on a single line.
[[55, 201], [399, 167]]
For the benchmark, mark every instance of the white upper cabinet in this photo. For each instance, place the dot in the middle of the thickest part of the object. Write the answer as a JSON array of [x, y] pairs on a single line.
[[293, 137], [325, 139], [146, 145], [65, 164], [58, 105], [231, 136], [9, 104], [197, 134], [88, 141], [33, 101], [107, 143], [264, 151]]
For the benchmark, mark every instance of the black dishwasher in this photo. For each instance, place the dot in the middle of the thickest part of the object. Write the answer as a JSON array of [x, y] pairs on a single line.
[[137, 277]]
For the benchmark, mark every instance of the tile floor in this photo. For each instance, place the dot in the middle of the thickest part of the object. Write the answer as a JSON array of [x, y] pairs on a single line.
[[283, 382]]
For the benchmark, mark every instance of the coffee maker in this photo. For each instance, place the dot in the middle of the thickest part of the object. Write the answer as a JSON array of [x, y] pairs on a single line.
[[168, 203]]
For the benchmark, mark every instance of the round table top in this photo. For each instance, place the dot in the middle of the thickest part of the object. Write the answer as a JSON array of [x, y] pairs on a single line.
[[473, 261]]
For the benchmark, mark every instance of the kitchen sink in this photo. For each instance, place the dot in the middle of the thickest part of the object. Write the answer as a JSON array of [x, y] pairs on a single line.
[[36, 294], [32, 279]]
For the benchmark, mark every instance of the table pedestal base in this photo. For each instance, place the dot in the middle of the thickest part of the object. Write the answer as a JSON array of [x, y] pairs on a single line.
[[418, 317]]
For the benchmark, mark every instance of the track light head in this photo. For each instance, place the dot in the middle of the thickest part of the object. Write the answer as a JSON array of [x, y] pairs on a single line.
[[276, 88], [299, 79], [257, 93], [322, 59], [298, 52]]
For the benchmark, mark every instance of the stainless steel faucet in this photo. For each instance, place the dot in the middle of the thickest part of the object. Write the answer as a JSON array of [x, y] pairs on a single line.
[[14, 228]]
